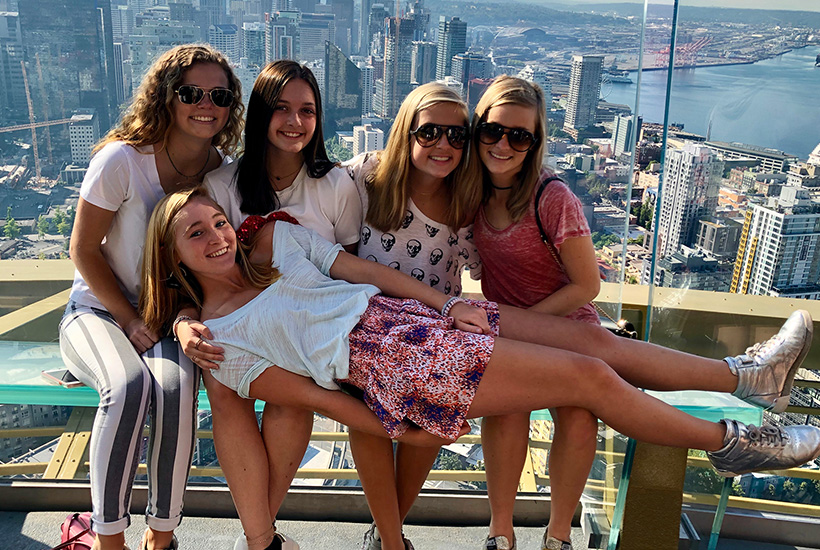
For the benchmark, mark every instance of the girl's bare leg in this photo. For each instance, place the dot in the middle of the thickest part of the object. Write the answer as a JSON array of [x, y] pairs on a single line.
[[242, 455], [412, 466], [524, 377], [634, 360], [570, 460], [504, 440], [286, 433], [109, 542], [374, 462]]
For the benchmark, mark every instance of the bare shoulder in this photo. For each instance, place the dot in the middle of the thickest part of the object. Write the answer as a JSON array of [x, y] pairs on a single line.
[[262, 245]]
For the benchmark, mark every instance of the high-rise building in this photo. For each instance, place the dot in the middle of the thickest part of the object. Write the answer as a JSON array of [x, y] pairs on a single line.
[[625, 131], [225, 38], [314, 30], [584, 91], [215, 11], [122, 22], [779, 250], [304, 6], [452, 40], [181, 10], [540, 77], [119, 77], [691, 180], [475, 89], [468, 65], [342, 100], [84, 133], [421, 20], [345, 30], [76, 48], [253, 43], [281, 32], [366, 139], [12, 87], [142, 49], [376, 25], [398, 47], [771, 160], [423, 62], [364, 28], [368, 82]]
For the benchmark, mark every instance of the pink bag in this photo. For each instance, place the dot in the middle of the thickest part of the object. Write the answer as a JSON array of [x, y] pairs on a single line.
[[76, 532]]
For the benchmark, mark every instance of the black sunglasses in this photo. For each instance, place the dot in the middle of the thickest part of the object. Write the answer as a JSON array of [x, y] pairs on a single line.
[[429, 134], [519, 139], [192, 95]]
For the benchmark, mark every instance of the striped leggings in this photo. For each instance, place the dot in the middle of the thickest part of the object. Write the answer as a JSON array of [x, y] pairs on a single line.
[[163, 383]]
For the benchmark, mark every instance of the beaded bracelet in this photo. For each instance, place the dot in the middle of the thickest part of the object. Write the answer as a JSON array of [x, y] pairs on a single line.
[[177, 321], [448, 305]]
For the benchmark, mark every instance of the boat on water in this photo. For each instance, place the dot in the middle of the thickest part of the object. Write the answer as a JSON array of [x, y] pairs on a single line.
[[617, 77], [817, 61]]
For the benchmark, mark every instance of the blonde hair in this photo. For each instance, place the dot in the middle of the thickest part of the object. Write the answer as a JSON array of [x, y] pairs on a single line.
[[160, 301], [388, 187], [149, 117], [508, 90]]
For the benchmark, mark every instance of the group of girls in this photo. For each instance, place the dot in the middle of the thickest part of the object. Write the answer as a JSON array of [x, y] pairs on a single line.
[[291, 314]]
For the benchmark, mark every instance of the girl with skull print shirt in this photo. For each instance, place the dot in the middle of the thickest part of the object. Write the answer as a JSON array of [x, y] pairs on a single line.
[[423, 248], [418, 199]]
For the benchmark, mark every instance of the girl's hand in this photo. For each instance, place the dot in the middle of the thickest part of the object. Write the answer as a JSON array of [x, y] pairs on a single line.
[[419, 438], [141, 338], [191, 336], [470, 318]]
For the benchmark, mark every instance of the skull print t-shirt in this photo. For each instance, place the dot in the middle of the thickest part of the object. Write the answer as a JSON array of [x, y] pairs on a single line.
[[421, 247]]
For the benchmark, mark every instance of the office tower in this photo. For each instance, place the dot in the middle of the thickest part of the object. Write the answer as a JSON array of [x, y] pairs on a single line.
[[364, 28], [225, 38], [423, 62], [169, 33], [304, 6], [345, 32], [119, 78], [376, 22], [84, 133], [12, 88], [142, 50], [214, 10], [366, 139], [475, 89], [122, 22], [584, 91], [314, 30], [540, 77], [691, 180], [398, 45], [779, 251], [378, 96], [466, 66], [280, 5], [253, 43], [771, 160], [368, 81], [624, 134], [139, 6], [342, 100], [281, 32], [719, 237], [421, 20], [452, 39], [76, 51], [181, 10]]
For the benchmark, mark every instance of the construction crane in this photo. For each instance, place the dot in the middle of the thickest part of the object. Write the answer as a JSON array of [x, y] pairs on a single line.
[[19, 127], [685, 54], [38, 173]]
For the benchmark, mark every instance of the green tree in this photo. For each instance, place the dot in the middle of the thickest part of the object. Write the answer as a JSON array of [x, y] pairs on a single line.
[[336, 151], [450, 461], [64, 228], [12, 230], [59, 217], [43, 226]]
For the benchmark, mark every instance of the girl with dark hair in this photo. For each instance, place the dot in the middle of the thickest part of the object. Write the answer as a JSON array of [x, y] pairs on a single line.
[[284, 167], [184, 120]]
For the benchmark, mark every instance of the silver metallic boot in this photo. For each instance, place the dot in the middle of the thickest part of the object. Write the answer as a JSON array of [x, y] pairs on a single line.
[[552, 543], [750, 449], [766, 371], [498, 543]]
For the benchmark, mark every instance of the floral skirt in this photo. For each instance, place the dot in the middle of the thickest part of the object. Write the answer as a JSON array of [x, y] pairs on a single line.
[[413, 365]]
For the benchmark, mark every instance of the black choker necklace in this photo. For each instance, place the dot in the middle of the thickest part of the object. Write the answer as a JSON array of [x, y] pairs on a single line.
[[501, 188]]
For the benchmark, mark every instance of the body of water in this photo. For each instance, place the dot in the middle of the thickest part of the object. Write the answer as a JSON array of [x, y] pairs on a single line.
[[772, 103]]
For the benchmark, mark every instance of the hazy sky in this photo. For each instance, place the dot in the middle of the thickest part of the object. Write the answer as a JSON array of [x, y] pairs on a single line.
[[806, 5]]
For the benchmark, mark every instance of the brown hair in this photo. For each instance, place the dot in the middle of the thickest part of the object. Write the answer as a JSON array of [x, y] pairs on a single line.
[[388, 187], [506, 90], [149, 117], [166, 285]]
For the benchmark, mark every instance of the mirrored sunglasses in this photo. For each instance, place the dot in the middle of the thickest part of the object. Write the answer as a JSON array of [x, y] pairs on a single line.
[[192, 95], [519, 139], [429, 134]]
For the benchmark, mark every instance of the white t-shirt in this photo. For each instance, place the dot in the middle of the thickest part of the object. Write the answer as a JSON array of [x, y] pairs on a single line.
[[421, 247], [301, 322], [124, 180], [328, 205]]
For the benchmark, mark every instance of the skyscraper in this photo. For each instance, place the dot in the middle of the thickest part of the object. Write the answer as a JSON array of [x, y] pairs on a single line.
[[84, 133], [366, 139], [398, 47], [119, 77], [625, 131], [452, 39], [540, 77], [281, 35], [364, 28], [12, 88], [466, 66], [314, 30], [76, 51], [253, 43], [691, 180], [423, 62], [345, 33], [368, 83], [225, 38], [584, 91], [779, 251], [342, 99]]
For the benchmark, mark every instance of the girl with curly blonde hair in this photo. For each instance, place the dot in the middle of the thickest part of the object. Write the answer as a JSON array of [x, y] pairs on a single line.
[[184, 122]]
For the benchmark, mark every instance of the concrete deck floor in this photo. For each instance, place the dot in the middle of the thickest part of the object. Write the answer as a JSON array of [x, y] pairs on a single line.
[[41, 530]]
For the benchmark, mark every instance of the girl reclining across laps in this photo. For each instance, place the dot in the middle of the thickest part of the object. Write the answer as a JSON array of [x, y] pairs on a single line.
[[296, 303]]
